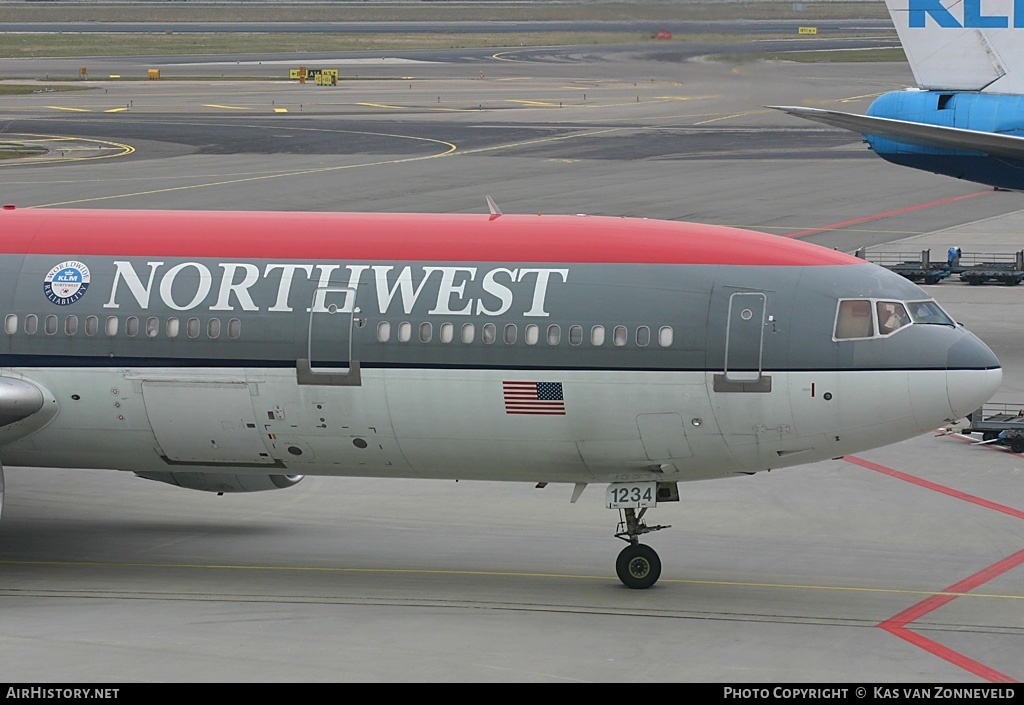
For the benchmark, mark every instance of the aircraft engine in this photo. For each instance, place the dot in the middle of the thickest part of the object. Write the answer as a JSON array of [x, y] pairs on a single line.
[[221, 482]]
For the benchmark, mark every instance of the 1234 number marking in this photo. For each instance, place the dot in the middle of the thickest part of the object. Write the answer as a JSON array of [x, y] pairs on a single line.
[[624, 495]]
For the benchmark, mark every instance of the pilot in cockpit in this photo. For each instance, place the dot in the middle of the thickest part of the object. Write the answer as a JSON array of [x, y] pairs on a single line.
[[892, 316]]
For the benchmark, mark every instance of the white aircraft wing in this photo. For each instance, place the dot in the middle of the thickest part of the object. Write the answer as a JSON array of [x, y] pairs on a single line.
[[918, 133]]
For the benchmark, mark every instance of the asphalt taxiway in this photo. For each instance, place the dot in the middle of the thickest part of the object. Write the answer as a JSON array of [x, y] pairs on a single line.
[[899, 565]]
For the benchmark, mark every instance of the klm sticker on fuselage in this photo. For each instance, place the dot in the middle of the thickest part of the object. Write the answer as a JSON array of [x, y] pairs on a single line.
[[973, 18], [66, 283]]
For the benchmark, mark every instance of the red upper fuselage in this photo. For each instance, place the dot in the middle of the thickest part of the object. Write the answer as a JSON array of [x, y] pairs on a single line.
[[398, 237]]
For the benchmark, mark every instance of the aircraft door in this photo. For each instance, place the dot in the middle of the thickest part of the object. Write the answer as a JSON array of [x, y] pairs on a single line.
[[744, 336], [333, 324]]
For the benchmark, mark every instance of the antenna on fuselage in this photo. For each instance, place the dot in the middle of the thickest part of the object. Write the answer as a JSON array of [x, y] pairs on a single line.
[[493, 208]]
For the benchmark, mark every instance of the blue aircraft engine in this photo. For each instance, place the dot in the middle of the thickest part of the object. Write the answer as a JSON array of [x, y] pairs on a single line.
[[980, 112]]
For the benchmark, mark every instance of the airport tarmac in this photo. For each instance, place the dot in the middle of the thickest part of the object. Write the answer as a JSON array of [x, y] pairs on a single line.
[[901, 565]]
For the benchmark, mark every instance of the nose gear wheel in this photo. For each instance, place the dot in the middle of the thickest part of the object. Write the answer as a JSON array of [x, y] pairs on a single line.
[[638, 565]]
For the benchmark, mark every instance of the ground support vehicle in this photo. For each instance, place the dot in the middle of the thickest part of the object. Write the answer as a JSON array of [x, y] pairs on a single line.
[[917, 267], [978, 268], [1002, 424]]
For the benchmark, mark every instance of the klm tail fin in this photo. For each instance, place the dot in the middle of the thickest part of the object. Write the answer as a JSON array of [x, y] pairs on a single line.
[[963, 45]]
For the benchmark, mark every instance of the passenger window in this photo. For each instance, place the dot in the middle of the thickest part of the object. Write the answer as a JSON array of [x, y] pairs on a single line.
[[489, 333], [110, 327], [643, 336], [511, 333], [234, 328], [468, 333], [531, 334], [426, 332], [11, 324], [404, 332], [92, 325], [597, 336], [554, 334], [192, 328], [152, 327], [447, 332], [575, 335], [665, 336], [620, 335], [384, 331], [50, 324], [71, 325], [892, 315], [213, 329], [853, 319], [173, 327], [131, 326], [31, 324]]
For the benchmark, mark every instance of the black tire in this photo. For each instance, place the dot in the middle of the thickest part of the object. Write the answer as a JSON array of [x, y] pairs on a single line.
[[931, 280], [1017, 444], [989, 435], [638, 566], [974, 281]]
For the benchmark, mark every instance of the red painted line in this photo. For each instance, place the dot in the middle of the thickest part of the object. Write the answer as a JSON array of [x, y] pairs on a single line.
[[953, 657], [915, 612], [886, 214], [930, 604], [897, 624], [987, 574], [936, 487]]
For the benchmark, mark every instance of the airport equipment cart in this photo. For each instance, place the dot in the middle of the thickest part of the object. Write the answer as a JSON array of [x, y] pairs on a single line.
[[978, 268], [913, 266], [999, 423]]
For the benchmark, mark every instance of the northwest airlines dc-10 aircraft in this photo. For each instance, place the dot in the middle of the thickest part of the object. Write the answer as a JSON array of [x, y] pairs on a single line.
[[966, 118], [235, 352]]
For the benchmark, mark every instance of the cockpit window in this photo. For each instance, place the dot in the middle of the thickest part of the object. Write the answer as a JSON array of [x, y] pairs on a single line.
[[929, 312], [892, 315], [854, 319], [857, 319]]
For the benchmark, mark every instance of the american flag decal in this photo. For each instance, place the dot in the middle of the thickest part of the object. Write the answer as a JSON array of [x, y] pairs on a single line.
[[543, 398]]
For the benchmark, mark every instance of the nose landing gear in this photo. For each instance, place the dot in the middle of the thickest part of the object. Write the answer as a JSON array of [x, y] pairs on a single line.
[[638, 565]]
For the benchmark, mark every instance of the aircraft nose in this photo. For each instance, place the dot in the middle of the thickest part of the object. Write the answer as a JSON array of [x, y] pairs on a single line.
[[973, 375]]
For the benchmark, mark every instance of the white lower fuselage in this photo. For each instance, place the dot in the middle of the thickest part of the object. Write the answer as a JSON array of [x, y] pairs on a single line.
[[616, 425]]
